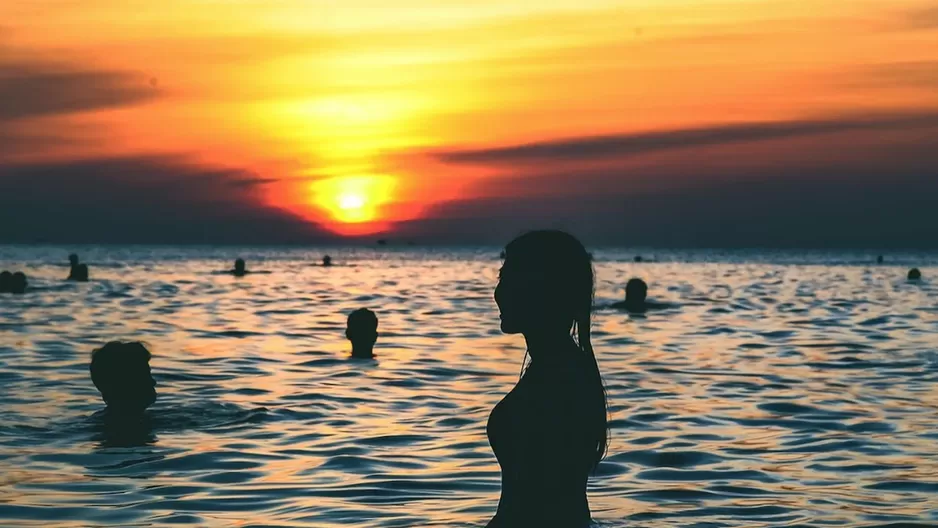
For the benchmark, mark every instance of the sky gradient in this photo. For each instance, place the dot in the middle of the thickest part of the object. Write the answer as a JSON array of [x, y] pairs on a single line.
[[665, 122]]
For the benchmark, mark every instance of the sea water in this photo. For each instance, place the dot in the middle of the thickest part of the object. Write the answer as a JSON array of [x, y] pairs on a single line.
[[781, 389]]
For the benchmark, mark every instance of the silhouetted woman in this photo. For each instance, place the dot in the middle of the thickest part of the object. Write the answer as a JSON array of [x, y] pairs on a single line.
[[549, 432]]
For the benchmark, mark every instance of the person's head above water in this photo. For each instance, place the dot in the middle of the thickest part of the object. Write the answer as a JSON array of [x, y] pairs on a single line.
[[327, 261], [545, 285], [18, 282], [545, 292], [121, 372], [914, 274], [362, 331], [6, 281], [239, 266], [636, 291], [73, 259]]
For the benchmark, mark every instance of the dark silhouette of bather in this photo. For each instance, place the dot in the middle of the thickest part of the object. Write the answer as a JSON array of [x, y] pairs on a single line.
[[18, 283], [636, 298], [879, 259], [13, 282], [327, 261], [77, 271], [914, 274], [550, 432], [362, 331], [121, 372], [240, 269]]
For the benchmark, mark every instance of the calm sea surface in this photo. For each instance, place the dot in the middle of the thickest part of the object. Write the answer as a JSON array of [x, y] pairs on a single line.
[[783, 389]]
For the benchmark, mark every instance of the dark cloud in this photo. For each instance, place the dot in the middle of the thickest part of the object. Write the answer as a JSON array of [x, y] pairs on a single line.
[[769, 212], [141, 200], [866, 189], [37, 88], [16, 142], [595, 148]]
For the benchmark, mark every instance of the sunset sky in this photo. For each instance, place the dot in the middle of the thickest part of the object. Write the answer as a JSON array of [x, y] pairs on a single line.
[[656, 122]]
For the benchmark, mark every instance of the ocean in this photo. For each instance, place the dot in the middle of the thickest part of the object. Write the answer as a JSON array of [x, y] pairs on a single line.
[[781, 389]]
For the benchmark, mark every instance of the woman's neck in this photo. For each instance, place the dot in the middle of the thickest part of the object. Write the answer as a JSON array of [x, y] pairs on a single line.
[[550, 347]]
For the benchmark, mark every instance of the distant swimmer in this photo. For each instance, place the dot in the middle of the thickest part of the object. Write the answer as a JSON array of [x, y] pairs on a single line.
[[915, 274], [638, 258], [879, 259], [6, 282], [18, 283], [636, 295], [240, 269], [77, 272], [327, 261], [362, 331], [121, 372]]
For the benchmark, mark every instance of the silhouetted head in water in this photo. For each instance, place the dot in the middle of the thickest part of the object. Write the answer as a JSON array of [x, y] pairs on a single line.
[[18, 283], [362, 331], [915, 274], [327, 261], [638, 258], [545, 292], [121, 372], [636, 291], [239, 268], [6, 282], [73, 259], [879, 259]]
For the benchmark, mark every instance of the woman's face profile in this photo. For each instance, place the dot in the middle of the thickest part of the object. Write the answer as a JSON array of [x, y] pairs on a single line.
[[523, 298]]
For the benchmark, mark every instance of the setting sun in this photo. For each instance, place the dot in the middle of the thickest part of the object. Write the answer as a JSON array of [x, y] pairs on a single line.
[[353, 199]]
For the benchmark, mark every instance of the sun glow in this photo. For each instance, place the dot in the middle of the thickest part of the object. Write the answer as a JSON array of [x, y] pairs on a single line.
[[353, 199]]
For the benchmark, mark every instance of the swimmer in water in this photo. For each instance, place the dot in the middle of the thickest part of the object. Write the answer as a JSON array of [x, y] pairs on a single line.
[[6, 282], [18, 283], [327, 261], [239, 268], [550, 431], [636, 298], [362, 331], [914, 274], [77, 271], [121, 373]]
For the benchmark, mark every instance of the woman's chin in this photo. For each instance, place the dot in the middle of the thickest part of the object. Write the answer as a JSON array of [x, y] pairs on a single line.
[[508, 328]]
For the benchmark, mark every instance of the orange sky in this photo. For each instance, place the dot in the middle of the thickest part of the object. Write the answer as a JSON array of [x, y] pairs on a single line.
[[341, 107]]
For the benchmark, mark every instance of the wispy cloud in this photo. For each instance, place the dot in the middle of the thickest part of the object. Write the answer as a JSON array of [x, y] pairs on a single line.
[[923, 18], [37, 88], [908, 74], [592, 148]]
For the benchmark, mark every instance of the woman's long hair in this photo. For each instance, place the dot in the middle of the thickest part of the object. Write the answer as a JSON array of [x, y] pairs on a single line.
[[569, 268]]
